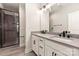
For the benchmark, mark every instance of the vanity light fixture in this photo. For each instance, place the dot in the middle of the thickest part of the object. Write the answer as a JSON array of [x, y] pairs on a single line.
[[47, 7]]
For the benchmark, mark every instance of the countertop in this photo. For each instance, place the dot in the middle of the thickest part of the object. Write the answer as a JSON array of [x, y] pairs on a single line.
[[74, 42]]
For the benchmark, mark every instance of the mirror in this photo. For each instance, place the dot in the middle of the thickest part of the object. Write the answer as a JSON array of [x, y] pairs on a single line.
[[64, 17], [73, 22]]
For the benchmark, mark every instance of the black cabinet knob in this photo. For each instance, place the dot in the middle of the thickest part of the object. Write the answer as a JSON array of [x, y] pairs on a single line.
[[34, 42], [41, 47], [68, 36], [52, 53], [55, 54]]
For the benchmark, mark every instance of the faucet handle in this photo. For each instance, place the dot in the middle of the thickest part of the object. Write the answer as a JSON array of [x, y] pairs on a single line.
[[68, 36], [67, 31]]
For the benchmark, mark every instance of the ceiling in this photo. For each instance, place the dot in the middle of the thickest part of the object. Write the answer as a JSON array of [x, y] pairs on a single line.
[[15, 6], [11, 6], [41, 5]]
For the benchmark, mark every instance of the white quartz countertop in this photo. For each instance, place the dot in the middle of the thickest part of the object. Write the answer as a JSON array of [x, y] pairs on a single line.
[[74, 42]]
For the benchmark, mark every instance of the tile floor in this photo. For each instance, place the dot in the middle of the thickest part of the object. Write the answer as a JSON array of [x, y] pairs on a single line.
[[14, 51]]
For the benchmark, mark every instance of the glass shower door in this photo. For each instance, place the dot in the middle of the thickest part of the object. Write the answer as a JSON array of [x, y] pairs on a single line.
[[10, 31]]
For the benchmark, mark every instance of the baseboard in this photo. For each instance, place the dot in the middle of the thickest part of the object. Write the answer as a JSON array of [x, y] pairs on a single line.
[[21, 45], [27, 51]]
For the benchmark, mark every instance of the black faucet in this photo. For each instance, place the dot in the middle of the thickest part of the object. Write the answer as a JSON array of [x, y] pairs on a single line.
[[64, 34], [44, 31]]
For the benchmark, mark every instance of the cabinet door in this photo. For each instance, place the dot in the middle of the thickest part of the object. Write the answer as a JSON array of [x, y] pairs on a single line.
[[57, 53], [41, 51], [49, 51], [35, 40], [33, 43]]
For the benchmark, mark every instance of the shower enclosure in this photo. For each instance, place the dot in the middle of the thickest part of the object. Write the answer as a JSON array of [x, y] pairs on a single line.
[[9, 28]]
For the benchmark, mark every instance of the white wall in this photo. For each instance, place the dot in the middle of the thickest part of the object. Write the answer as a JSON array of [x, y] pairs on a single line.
[[22, 23], [1, 6], [60, 16], [32, 23]]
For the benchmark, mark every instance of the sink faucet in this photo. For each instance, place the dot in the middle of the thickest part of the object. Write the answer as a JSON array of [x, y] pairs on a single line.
[[65, 34]]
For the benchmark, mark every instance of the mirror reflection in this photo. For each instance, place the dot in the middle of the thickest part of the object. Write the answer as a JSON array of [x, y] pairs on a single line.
[[64, 17]]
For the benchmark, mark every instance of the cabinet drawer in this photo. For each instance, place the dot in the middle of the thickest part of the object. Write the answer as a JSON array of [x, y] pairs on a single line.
[[41, 40], [62, 48], [41, 51], [41, 47]]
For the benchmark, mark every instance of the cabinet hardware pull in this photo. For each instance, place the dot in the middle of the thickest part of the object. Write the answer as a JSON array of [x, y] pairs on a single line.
[[41, 47], [34, 42], [41, 40], [52, 53], [55, 54]]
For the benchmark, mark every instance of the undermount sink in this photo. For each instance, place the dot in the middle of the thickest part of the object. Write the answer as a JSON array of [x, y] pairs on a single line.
[[48, 35], [61, 38]]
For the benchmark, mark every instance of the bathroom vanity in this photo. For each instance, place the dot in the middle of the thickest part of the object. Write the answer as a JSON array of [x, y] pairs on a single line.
[[64, 17], [52, 45]]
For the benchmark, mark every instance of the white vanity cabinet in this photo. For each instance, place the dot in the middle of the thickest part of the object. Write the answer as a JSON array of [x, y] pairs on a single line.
[[35, 43], [59, 49], [47, 47]]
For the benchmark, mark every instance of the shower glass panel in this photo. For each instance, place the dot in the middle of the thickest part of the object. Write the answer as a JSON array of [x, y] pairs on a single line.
[[8, 29]]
